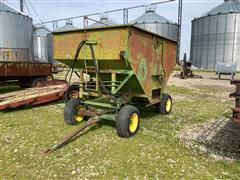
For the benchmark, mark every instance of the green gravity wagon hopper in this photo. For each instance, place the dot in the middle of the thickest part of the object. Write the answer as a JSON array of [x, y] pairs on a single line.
[[120, 68]]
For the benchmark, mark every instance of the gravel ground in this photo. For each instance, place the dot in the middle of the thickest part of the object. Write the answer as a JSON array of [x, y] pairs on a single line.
[[220, 138]]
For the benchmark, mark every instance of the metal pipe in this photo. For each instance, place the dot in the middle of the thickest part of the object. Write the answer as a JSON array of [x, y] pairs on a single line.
[[179, 30], [21, 5], [94, 14]]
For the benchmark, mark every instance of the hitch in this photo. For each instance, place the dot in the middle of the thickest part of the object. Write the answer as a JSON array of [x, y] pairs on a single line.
[[71, 136]]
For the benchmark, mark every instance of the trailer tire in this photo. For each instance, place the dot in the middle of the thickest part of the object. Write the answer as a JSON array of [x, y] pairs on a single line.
[[72, 92], [165, 106], [36, 81], [128, 121], [70, 111]]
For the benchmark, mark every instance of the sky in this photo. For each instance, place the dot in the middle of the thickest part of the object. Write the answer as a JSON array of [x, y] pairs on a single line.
[[56, 9]]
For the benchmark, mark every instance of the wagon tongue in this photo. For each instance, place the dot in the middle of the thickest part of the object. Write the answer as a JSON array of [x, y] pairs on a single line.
[[71, 136]]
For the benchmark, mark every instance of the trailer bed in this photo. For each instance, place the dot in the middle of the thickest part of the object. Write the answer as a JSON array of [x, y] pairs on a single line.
[[32, 96]]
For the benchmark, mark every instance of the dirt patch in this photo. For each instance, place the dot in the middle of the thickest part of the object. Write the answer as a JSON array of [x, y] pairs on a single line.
[[209, 79], [219, 138], [209, 85]]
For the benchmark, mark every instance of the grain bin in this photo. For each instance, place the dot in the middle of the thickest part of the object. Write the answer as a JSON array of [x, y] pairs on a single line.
[[15, 34], [42, 44], [216, 36], [155, 23], [104, 21], [126, 66], [68, 26]]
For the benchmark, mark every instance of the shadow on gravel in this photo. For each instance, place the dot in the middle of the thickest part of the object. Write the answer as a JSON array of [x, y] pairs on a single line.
[[218, 138], [226, 140]]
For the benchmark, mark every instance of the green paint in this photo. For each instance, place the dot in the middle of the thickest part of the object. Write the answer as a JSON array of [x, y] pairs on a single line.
[[100, 104], [111, 117], [124, 82], [142, 70]]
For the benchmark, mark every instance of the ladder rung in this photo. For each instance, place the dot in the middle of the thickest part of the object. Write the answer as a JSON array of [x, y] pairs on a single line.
[[90, 67]]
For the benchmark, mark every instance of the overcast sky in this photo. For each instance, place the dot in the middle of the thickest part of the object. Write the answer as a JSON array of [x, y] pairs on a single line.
[[55, 9]]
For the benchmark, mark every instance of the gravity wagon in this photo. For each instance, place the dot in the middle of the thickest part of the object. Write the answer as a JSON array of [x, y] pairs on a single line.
[[120, 68]]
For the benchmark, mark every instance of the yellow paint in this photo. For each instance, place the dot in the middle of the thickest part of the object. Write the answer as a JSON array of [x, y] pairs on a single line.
[[78, 117], [134, 120], [168, 105], [110, 42]]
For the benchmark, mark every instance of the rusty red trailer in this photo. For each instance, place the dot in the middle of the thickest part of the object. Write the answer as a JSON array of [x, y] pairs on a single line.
[[34, 96], [26, 73]]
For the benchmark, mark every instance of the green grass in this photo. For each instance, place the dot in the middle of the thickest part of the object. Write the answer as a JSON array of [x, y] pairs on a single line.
[[99, 153]]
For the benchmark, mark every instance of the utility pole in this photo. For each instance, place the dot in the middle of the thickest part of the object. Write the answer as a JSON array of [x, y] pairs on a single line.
[[21, 5], [179, 29]]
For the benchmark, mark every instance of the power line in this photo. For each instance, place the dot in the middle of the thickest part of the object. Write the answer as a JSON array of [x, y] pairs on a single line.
[[27, 8], [34, 10]]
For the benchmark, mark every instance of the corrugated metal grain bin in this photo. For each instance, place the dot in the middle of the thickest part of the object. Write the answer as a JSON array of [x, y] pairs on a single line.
[[42, 45], [155, 23], [15, 35], [216, 36], [126, 66]]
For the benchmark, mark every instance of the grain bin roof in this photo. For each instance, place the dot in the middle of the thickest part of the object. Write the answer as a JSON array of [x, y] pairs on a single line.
[[67, 27], [4, 6], [151, 17], [229, 6]]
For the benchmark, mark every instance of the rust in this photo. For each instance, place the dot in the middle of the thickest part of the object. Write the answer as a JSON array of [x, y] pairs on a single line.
[[23, 69], [141, 60], [71, 136], [50, 83], [236, 115], [92, 112], [236, 95], [33, 96]]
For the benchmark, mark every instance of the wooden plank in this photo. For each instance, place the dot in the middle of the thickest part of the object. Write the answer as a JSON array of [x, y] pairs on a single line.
[[22, 98], [33, 96], [29, 92]]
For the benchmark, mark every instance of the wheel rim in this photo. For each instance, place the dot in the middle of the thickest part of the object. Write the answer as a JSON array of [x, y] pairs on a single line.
[[77, 116], [133, 124], [168, 105], [49, 78], [74, 94]]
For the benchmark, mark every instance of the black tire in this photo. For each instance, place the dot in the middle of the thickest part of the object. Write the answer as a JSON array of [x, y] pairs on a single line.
[[123, 121], [162, 107], [70, 111], [36, 81], [72, 92]]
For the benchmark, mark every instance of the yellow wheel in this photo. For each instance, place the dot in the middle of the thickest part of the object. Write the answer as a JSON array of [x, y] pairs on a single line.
[[72, 111], [165, 106], [77, 116], [168, 105], [128, 121], [133, 123]]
